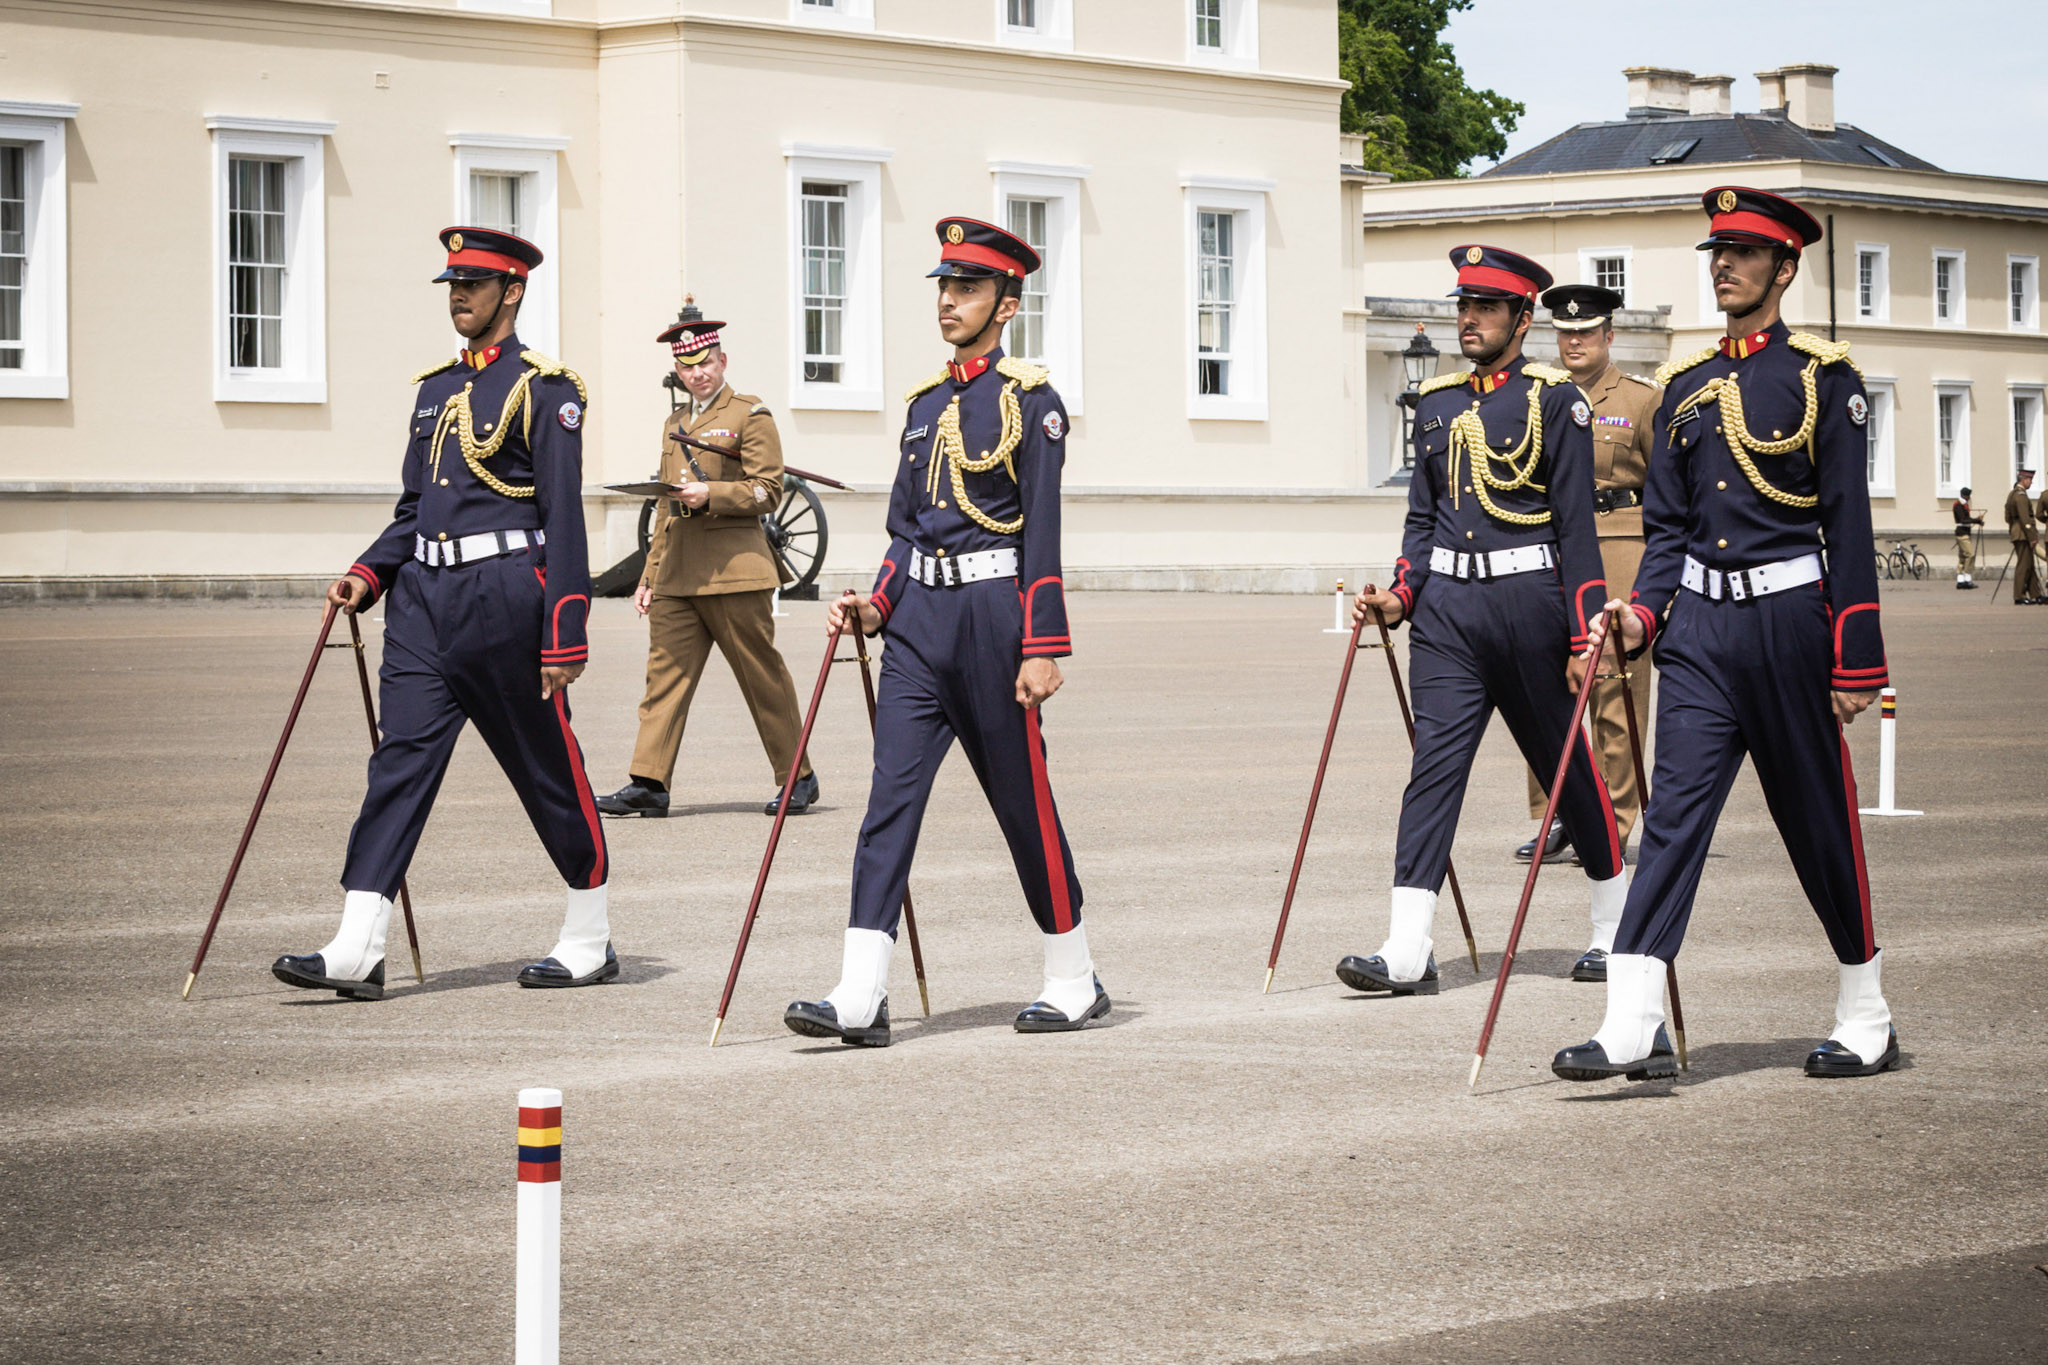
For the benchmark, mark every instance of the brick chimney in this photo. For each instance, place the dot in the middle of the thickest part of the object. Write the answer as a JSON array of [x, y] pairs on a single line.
[[1810, 96], [1709, 95], [1656, 91]]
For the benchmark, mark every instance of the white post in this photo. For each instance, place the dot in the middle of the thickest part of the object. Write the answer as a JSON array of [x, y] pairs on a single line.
[[1887, 755], [775, 605], [1337, 626], [537, 1338]]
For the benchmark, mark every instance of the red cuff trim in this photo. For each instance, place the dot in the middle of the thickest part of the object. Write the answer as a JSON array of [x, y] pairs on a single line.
[[1031, 640], [556, 658], [555, 622], [369, 578], [1057, 649], [1858, 682], [1648, 618], [1407, 596], [881, 604]]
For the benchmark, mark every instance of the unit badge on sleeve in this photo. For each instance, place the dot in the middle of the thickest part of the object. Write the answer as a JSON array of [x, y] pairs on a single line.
[[1582, 414], [1859, 409], [1055, 426], [570, 415]]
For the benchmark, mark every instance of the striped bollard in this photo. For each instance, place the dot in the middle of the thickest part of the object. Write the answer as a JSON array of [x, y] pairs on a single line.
[[1887, 755], [537, 1338], [1337, 627]]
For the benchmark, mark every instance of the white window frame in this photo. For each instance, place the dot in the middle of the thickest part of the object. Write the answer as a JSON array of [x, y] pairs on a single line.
[[540, 312], [2038, 397], [859, 169], [1880, 282], [858, 15], [528, 9], [1959, 289], [302, 146], [1959, 464], [1060, 188], [45, 362], [1247, 200], [2030, 299], [1240, 50], [1589, 254], [1882, 429], [1053, 33]]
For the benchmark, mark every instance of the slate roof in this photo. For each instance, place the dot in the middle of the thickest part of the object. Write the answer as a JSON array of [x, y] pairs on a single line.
[[1722, 138]]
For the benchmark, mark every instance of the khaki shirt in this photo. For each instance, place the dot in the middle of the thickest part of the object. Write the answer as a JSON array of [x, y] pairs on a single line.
[[2019, 515], [1624, 426], [719, 547]]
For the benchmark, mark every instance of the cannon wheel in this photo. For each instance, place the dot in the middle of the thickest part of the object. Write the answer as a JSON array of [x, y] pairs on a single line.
[[796, 532]]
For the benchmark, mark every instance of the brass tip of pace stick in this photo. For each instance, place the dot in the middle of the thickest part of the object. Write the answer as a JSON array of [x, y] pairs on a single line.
[[716, 1025], [1267, 989], [190, 977], [1473, 949], [924, 997], [419, 973], [1478, 1060], [1683, 1065]]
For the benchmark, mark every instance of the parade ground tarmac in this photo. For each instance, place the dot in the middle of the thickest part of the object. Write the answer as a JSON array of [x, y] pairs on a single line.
[[263, 1174]]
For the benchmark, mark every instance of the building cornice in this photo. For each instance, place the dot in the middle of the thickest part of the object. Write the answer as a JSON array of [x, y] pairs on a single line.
[[1654, 203], [359, 21]]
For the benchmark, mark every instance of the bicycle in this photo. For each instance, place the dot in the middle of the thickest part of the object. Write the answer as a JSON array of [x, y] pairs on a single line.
[[1904, 561]]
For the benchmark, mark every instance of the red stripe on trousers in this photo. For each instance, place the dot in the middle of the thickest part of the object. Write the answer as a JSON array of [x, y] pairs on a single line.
[[1606, 798], [583, 796], [1856, 846], [1048, 829]]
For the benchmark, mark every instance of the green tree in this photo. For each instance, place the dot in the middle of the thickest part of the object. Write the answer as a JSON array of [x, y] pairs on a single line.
[[1407, 94]]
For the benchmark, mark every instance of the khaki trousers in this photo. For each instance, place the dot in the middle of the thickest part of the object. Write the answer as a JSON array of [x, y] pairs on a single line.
[[2026, 580], [680, 634], [1621, 557], [1966, 554]]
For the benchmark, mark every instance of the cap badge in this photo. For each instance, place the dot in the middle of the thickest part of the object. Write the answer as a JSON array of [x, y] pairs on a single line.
[[955, 233], [455, 241], [1572, 308], [1726, 201], [1473, 255]]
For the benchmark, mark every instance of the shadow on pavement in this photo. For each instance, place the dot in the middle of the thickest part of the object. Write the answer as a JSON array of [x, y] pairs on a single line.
[[633, 971]]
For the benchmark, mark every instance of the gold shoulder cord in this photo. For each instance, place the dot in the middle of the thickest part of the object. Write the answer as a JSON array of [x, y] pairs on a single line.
[[951, 451], [1742, 441], [1468, 434], [456, 417]]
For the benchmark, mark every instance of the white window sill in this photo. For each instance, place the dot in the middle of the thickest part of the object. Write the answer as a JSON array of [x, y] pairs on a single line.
[[15, 384], [1222, 61], [238, 389], [1877, 492], [1208, 409], [858, 23], [832, 397], [1036, 42]]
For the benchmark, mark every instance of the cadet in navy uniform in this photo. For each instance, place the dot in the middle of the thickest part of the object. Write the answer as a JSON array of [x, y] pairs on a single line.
[[970, 599], [486, 581], [1499, 572], [1764, 648]]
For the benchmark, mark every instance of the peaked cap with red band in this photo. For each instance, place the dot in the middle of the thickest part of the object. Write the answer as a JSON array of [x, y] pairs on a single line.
[[1487, 272], [691, 336], [476, 253], [969, 248], [1757, 218]]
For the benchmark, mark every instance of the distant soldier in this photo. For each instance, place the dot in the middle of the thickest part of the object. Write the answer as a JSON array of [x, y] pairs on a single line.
[[1967, 523], [485, 578], [1500, 567], [711, 578], [2020, 527], [1764, 649]]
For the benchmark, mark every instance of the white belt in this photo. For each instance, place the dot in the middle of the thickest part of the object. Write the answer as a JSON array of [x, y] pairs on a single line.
[[469, 549], [1485, 564], [1743, 584], [950, 571]]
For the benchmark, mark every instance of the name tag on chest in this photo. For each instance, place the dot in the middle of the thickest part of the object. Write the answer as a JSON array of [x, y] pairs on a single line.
[[1432, 424], [917, 435]]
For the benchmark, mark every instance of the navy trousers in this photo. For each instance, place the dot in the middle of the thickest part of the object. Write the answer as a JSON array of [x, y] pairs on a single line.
[[463, 643], [1738, 678], [950, 672], [1477, 648]]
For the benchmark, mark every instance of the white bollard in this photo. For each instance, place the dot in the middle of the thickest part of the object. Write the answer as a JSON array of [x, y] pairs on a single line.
[[775, 610], [1887, 755], [537, 1338], [1337, 627]]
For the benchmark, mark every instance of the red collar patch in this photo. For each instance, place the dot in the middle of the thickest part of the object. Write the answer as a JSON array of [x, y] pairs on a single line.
[[1738, 348], [1487, 383], [476, 360], [973, 369]]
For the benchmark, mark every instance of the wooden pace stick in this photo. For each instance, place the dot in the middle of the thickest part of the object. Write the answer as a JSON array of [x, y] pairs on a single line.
[[412, 934], [867, 685], [262, 795], [1635, 751], [1408, 719], [796, 763], [1573, 735]]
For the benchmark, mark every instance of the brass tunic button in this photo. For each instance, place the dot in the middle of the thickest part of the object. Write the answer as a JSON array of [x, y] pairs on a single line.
[[444, 483], [1777, 436], [467, 387], [1468, 535], [444, 535], [487, 426], [942, 502], [942, 551], [1468, 488], [1722, 543], [1723, 484]]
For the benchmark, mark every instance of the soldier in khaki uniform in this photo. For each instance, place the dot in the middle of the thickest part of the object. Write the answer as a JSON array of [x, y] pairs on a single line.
[[1623, 406], [2019, 526], [710, 577]]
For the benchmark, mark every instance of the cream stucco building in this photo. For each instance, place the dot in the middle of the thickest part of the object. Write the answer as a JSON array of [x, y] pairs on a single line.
[[226, 213]]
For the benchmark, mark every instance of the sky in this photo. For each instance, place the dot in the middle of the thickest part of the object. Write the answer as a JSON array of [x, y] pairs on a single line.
[[1962, 83]]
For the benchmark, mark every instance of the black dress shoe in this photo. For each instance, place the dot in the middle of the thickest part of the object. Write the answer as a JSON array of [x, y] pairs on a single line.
[[1966, 586], [801, 796], [1556, 849], [549, 973], [1591, 966], [1831, 1059], [817, 1019], [1039, 1017], [634, 799], [310, 971], [1370, 974], [1588, 1062]]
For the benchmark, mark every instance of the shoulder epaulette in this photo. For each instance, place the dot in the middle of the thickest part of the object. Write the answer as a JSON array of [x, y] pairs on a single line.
[[1548, 374], [1670, 370], [555, 367], [1646, 383], [1444, 381], [1027, 375], [926, 387], [759, 410], [1821, 349], [432, 370]]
